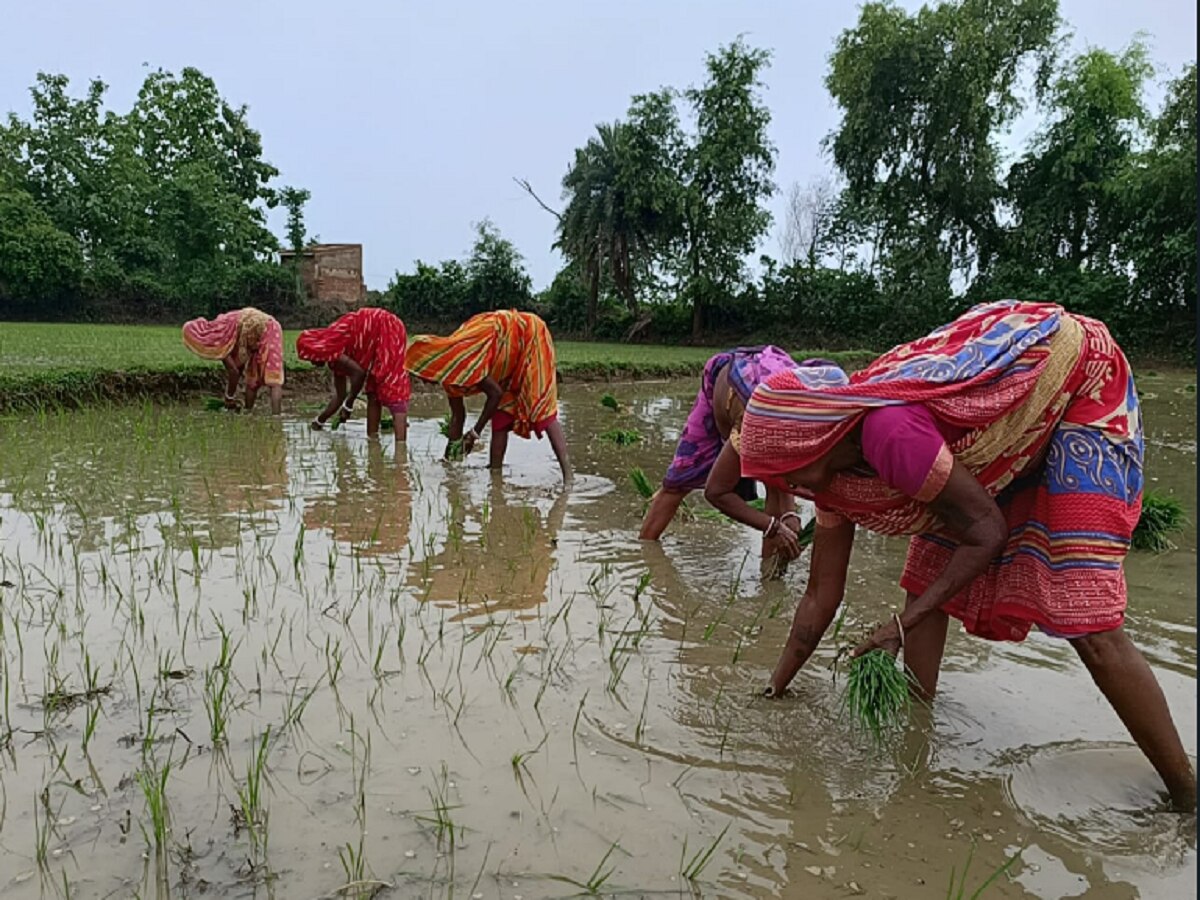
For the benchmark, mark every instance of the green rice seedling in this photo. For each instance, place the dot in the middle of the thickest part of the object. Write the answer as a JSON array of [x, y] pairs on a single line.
[[610, 402], [214, 404], [691, 869], [253, 811], [521, 757], [444, 828], [597, 879], [455, 451], [622, 437], [217, 703], [958, 891], [877, 695], [444, 425], [153, 782], [642, 583], [1162, 515]]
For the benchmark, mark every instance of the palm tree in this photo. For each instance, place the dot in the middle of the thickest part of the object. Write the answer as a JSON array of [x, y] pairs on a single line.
[[602, 227]]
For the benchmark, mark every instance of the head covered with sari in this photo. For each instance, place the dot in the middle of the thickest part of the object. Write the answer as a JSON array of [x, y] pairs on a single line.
[[997, 372], [324, 345], [250, 337]]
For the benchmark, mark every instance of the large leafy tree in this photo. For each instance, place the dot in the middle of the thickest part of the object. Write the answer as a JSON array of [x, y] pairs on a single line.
[[1157, 192], [923, 98], [725, 171], [645, 199], [165, 202], [39, 263], [496, 272], [1061, 190]]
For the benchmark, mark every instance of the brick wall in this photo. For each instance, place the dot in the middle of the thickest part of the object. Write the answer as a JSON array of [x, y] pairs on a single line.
[[332, 273]]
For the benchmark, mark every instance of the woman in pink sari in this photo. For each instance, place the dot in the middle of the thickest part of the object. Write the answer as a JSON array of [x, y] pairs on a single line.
[[250, 344], [1009, 445]]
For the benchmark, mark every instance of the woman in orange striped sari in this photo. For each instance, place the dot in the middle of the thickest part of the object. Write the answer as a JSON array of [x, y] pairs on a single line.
[[508, 356], [250, 344]]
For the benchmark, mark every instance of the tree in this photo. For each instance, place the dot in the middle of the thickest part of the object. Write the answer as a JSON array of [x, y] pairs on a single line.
[[1061, 190], [39, 263], [597, 228], [293, 199], [1157, 193], [808, 220], [923, 97], [166, 203], [496, 271], [726, 175]]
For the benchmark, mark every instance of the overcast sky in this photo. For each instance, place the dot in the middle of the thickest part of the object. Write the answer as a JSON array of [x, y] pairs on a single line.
[[407, 121]]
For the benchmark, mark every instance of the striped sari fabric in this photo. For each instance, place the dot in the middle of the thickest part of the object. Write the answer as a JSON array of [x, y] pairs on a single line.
[[513, 348], [1051, 429]]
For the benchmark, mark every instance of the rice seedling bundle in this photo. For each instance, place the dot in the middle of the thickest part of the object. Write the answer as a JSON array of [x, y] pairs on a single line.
[[622, 437], [1162, 515], [611, 402], [641, 482], [454, 450], [877, 695], [214, 404]]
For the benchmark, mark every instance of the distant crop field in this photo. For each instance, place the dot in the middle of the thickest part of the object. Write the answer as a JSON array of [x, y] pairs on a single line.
[[38, 351]]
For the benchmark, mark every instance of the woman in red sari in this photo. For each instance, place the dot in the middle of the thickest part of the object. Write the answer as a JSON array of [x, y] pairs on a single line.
[[365, 351], [1009, 444]]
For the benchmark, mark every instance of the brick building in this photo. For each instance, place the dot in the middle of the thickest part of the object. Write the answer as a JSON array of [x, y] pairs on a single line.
[[332, 273]]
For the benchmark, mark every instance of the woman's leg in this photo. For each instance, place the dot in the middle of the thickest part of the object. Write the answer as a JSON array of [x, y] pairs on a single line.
[[663, 506], [923, 649], [558, 443], [1127, 682], [400, 424], [251, 396], [276, 394], [498, 448]]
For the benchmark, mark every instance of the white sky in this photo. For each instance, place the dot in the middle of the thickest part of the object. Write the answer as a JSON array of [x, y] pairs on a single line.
[[407, 121]]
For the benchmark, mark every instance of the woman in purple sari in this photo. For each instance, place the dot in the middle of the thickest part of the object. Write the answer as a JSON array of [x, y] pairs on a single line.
[[728, 381]]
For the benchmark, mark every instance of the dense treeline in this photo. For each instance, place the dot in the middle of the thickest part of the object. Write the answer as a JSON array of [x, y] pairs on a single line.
[[922, 215], [161, 210]]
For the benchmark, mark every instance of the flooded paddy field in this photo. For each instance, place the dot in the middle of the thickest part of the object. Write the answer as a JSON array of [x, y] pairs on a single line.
[[243, 659]]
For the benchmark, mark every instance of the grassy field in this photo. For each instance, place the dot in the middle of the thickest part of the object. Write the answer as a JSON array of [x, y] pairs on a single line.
[[43, 364]]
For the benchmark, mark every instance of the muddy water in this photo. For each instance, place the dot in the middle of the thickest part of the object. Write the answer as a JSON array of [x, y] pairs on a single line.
[[467, 688]]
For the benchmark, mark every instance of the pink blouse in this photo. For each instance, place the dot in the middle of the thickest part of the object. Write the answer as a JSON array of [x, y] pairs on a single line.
[[907, 446]]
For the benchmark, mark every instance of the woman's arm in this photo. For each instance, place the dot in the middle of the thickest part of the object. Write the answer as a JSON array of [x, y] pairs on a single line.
[[233, 375], [721, 492], [494, 393], [458, 421], [974, 520], [335, 402], [358, 377], [826, 588]]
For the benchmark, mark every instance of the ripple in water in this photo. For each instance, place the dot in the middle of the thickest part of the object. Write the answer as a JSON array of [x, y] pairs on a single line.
[[1103, 797]]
